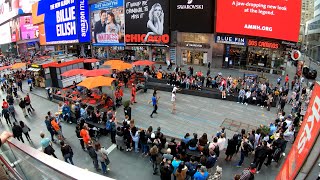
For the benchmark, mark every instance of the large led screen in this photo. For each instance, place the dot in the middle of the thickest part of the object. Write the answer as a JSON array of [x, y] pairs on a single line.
[[276, 19]]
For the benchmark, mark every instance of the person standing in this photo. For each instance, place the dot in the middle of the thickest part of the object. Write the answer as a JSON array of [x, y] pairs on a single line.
[[173, 100], [57, 128], [29, 81], [102, 155], [154, 101], [154, 153], [243, 149], [46, 145], [260, 155], [113, 129], [78, 129], [25, 130], [92, 153], [84, 133], [133, 94], [231, 148], [22, 105], [17, 132], [12, 112], [67, 152]]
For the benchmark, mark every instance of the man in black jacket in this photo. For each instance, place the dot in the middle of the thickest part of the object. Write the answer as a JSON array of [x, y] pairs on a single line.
[[261, 155], [100, 26], [17, 132], [92, 153], [22, 105]]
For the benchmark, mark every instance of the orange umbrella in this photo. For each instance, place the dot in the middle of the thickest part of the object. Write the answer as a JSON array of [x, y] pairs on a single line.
[[121, 67], [96, 72], [112, 62], [18, 65], [143, 63], [73, 72], [91, 60], [93, 82]]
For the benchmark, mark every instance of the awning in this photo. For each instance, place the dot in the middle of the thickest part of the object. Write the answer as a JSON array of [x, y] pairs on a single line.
[[33, 69]]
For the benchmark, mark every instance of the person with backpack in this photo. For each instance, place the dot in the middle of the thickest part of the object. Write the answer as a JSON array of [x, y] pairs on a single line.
[[22, 105], [244, 149], [214, 146], [192, 167], [67, 152], [17, 132]]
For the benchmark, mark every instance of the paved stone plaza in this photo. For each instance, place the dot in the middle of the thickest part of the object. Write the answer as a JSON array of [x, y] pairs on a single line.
[[194, 114]]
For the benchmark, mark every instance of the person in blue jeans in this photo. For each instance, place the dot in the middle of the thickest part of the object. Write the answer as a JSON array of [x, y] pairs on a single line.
[[243, 151], [144, 142], [102, 155], [135, 138]]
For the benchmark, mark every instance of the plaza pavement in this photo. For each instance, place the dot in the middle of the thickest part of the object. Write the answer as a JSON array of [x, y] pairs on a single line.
[[194, 114]]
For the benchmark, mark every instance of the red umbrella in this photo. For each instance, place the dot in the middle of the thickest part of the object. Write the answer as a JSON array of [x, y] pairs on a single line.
[[73, 72], [143, 63], [97, 72], [5, 67], [91, 60]]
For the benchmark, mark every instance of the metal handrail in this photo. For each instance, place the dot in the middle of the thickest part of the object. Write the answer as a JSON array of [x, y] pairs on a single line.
[[66, 169], [11, 169]]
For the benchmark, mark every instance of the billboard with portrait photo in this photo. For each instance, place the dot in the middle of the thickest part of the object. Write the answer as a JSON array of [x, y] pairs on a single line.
[[5, 34], [27, 29], [15, 29], [107, 19], [147, 22], [262, 18]]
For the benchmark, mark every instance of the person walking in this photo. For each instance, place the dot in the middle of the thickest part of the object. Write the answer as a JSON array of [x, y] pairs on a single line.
[[29, 81], [46, 145], [102, 155], [133, 94], [78, 129], [113, 129], [25, 130], [12, 112], [67, 152], [244, 149], [22, 105], [173, 100], [154, 101], [260, 155], [17, 132], [92, 153], [6, 115], [49, 128], [57, 128], [28, 101], [84, 133]]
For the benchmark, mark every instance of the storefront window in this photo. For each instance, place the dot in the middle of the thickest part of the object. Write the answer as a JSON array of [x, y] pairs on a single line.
[[116, 52], [159, 54], [195, 38], [192, 57], [140, 52]]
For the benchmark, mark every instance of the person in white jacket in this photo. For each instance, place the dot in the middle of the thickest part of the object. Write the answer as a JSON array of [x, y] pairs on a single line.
[[135, 138]]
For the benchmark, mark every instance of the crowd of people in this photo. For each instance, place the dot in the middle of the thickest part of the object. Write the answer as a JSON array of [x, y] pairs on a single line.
[[191, 157]]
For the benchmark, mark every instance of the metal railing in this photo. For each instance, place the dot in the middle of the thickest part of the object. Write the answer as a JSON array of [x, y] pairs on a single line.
[[26, 163]]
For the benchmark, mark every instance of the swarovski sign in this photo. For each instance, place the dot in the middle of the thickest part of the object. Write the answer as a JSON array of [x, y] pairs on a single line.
[[189, 6]]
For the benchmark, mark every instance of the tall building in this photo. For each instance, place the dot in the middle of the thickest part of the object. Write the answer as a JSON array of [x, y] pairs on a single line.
[[313, 33], [307, 9]]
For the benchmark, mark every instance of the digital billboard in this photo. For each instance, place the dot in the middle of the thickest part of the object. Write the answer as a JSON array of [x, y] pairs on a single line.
[[5, 34], [15, 29], [192, 15], [27, 29], [64, 21], [262, 18], [107, 19], [11, 8], [147, 22]]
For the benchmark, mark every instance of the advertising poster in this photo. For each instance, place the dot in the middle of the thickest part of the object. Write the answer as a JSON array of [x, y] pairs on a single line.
[[11, 8], [5, 34], [15, 29], [27, 29], [147, 22], [263, 18], [194, 16], [305, 140], [107, 19], [64, 21]]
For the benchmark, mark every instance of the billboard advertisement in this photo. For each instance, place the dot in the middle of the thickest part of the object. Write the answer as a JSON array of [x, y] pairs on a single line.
[[192, 15], [147, 22], [107, 19], [308, 134], [27, 29], [64, 21], [11, 8], [5, 34], [15, 29], [262, 18]]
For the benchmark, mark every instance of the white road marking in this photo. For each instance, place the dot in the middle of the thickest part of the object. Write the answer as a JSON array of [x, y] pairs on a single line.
[[111, 148]]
